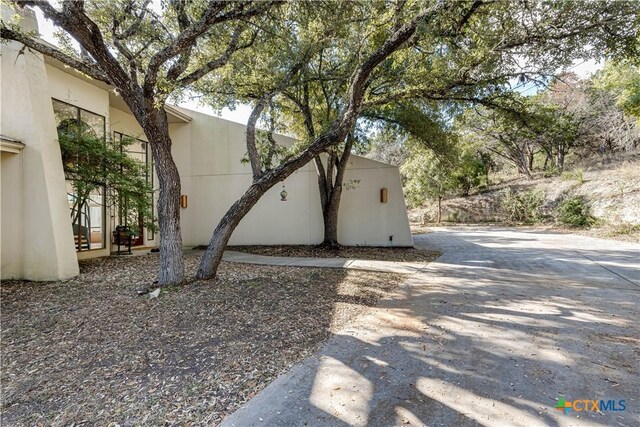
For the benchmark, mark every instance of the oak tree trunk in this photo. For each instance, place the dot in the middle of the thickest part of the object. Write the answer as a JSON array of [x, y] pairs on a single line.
[[332, 189], [330, 217], [156, 129], [221, 235], [523, 165]]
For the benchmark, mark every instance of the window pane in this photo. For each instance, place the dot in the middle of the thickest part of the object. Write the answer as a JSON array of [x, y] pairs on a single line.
[[94, 122], [86, 202], [87, 216], [138, 150], [64, 111]]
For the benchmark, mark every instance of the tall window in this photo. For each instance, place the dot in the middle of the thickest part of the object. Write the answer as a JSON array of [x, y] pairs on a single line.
[[86, 199], [140, 151]]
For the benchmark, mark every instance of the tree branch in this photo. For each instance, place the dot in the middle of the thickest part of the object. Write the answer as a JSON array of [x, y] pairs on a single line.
[[213, 15], [44, 48], [252, 150], [218, 62]]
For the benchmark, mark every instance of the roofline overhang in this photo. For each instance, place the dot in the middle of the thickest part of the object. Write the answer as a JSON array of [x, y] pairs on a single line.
[[172, 111]]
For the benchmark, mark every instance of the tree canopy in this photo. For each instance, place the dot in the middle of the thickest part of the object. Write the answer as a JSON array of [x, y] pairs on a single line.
[[330, 71]]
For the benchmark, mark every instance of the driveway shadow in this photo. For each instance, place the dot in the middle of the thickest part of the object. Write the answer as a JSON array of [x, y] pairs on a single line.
[[482, 336]]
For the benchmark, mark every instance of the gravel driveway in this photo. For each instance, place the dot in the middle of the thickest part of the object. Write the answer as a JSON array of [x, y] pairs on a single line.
[[495, 332]]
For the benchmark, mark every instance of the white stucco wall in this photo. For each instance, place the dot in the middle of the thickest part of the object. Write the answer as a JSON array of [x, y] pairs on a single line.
[[363, 220], [44, 243], [208, 152], [70, 89]]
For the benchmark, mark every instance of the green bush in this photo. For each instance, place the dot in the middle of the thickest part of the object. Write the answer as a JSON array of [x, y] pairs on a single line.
[[574, 175], [575, 212], [523, 207]]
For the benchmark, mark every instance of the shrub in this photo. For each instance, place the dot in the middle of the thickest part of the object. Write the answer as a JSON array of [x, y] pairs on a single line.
[[624, 229], [576, 174], [523, 206], [575, 212]]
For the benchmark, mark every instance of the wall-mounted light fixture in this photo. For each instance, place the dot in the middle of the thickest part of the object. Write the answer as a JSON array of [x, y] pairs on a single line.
[[283, 195], [383, 195], [183, 201]]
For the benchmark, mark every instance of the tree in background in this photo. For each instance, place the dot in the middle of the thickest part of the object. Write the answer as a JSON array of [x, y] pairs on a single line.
[[510, 135], [622, 79], [428, 177], [469, 171]]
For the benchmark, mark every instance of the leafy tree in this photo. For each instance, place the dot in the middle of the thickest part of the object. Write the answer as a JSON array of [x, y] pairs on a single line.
[[427, 176], [589, 117], [470, 171], [147, 57], [511, 136], [93, 165], [622, 79]]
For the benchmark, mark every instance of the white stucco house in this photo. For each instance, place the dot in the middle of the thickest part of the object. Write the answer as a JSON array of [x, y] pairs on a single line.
[[39, 241]]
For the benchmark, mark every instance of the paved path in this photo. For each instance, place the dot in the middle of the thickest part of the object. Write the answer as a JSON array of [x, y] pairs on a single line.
[[491, 333], [351, 264]]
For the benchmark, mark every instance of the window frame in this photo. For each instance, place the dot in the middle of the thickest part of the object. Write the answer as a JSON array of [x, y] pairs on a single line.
[[78, 118]]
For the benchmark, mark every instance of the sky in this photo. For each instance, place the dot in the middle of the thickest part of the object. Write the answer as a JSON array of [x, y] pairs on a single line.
[[241, 113]]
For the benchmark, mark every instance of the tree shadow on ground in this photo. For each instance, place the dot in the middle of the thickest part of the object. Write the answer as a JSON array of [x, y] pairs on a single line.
[[491, 338]]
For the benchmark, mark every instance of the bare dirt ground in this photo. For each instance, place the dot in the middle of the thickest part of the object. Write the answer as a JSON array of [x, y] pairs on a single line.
[[350, 252], [90, 351]]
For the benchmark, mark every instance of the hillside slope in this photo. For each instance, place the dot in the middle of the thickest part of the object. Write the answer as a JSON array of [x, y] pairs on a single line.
[[612, 191]]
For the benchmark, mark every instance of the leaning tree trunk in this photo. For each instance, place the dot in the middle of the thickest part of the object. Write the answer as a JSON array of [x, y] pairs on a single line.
[[171, 261], [213, 255]]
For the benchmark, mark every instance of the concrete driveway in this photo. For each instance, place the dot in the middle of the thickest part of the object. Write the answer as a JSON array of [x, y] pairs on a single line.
[[494, 332]]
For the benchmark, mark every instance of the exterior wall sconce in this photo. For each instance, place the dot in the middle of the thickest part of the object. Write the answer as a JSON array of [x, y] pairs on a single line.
[[383, 195], [183, 201], [283, 195]]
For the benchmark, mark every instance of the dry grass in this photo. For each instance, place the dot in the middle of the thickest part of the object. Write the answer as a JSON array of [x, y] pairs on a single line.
[[350, 252], [90, 351]]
